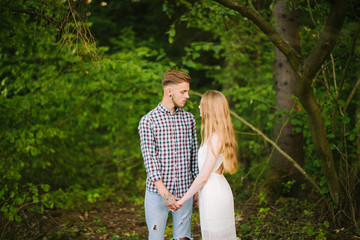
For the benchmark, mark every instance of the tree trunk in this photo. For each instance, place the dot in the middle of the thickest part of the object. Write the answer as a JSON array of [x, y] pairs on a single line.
[[312, 108], [281, 170], [306, 68]]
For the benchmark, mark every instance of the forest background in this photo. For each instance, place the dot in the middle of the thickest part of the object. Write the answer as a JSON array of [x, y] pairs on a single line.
[[76, 77]]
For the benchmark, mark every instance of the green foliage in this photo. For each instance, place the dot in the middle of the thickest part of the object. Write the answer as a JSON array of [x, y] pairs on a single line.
[[241, 66], [242, 69], [286, 219], [68, 132], [332, 87], [67, 124], [106, 23], [287, 186], [130, 236]]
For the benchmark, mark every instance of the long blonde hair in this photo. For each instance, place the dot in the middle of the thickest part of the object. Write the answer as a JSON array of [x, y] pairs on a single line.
[[216, 118]]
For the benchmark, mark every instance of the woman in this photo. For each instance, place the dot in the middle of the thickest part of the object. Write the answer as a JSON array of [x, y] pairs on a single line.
[[217, 154]]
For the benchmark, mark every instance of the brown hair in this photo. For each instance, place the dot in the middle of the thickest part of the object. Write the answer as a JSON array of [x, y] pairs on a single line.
[[174, 77], [216, 119]]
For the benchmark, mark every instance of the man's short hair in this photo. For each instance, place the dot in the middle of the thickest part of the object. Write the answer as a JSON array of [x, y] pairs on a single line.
[[174, 77]]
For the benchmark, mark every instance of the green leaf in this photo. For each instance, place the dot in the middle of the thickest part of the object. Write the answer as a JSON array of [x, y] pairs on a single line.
[[45, 187], [35, 199], [331, 135], [346, 120], [352, 136], [17, 218], [39, 134]]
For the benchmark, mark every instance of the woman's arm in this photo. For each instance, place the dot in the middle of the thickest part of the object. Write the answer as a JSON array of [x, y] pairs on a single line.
[[206, 170]]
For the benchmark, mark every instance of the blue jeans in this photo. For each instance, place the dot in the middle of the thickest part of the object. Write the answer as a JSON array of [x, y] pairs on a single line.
[[156, 214]]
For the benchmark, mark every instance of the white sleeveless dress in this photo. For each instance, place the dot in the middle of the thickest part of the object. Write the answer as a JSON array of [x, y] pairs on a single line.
[[216, 203]]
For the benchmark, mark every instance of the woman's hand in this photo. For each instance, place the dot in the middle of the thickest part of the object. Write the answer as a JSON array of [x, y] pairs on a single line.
[[180, 203], [196, 199]]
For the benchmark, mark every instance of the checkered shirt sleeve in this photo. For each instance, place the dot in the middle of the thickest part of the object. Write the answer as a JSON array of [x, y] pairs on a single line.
[[148, 149]]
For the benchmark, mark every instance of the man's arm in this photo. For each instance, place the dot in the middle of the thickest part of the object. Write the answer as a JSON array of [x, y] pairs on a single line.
[[151, 162], [148, 149]]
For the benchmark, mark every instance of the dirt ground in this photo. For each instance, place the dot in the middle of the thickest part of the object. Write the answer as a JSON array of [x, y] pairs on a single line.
[[125, 219], [108, 220]]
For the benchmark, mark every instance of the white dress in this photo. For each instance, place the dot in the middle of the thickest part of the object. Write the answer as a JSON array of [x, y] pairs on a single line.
[[216, 203]]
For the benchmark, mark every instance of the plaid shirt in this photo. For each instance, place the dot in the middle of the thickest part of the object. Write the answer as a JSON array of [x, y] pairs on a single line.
[[169, 148]]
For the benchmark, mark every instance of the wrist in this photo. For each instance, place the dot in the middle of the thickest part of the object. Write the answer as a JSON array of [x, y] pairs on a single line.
[[161, 188], [164, 193]]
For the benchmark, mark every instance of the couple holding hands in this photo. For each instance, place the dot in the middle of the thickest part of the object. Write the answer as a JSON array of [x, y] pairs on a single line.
[[178, 173]]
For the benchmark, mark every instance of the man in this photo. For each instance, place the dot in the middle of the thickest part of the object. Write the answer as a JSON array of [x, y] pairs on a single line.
[[169, 147]]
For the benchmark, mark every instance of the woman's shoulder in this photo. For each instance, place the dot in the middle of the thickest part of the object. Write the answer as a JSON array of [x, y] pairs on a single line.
[[215, 138]]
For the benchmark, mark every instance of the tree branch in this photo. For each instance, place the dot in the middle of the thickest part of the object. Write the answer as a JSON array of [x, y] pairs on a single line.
[[37, 14], [352, 94], [292, 161], [327, 39], [289, 158], [352, 50], [293, 56]]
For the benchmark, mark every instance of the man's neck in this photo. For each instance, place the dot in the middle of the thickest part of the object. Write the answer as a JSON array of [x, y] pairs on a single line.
[[168, 104]]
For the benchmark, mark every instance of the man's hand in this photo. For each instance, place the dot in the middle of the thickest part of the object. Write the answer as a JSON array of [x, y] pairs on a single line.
[[168, 198], [170, 201]]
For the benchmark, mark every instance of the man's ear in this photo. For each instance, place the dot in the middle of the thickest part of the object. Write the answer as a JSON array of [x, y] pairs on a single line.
[[168, 91]]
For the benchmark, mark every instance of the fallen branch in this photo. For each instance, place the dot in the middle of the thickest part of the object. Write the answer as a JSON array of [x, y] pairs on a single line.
[[352, 94], [292, 161]]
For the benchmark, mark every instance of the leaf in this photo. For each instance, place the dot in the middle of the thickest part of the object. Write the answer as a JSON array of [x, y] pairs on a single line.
[[39, 134], [346, 120], [45, 187], [352, 136], [17, 218], [331, 135], [35, 199]]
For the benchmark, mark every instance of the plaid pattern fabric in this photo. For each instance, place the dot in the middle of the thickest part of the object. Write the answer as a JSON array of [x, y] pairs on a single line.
[[169, 147]]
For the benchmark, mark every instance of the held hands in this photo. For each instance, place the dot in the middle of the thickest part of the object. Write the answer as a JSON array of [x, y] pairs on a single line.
[[174, 203], [181, 202], [171, 201]]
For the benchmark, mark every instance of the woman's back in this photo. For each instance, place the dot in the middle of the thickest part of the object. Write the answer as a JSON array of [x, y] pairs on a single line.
[[216, 203]]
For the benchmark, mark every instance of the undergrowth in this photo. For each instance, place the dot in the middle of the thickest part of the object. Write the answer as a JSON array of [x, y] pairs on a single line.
[[123, 218], [289, 218]]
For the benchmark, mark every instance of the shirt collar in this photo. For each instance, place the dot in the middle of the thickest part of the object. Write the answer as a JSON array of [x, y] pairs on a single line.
[[164, 109]]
